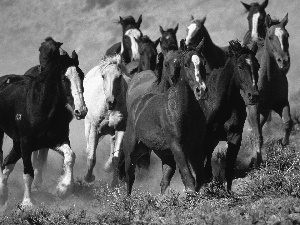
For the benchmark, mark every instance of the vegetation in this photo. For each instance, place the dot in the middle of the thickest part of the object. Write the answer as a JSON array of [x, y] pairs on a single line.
[[268, 195]]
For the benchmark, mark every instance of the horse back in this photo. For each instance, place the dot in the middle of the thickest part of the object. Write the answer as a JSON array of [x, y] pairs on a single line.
[[139, 85], [113, 50]]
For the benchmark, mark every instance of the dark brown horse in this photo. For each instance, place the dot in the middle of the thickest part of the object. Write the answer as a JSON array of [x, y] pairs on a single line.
[[224, 108], [214, 55], [256, 21], [34, 115], [128, 47], [172, 125], [274, 60]]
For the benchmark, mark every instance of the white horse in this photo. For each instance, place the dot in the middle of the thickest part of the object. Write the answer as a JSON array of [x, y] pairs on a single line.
[[105, 88]]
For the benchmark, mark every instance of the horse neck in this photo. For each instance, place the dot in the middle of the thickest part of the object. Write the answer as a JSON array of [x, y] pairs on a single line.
[[47, 91], [214, 55], [220, 84]]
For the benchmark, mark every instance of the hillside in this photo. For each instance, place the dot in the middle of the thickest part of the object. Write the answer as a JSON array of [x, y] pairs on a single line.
[[89, 27]]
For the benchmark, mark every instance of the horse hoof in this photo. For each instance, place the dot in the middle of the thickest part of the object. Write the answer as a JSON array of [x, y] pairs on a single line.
[[110, 164], [63, 190], [26, 204], [90, 178], [283, 142]]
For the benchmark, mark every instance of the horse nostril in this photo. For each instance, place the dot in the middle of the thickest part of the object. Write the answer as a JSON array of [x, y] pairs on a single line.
[[76, 112], [249, 95], [197, 90]]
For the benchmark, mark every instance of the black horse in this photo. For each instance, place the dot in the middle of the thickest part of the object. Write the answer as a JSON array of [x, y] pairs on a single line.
[[128, 47], [34, 115], [224, 107], [172, 125], [256, 22]]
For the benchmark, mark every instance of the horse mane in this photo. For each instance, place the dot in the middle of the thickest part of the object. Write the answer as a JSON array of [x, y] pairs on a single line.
[[116, 59], [236, 49], [145, 39]]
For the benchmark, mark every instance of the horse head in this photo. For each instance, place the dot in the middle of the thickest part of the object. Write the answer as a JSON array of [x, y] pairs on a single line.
[[49, 52], [277, 41], [193, 70], [196, 31], [72, 80], [131, 33], [245, 70], [256, 18], [111, 71], [171, 67], [168, 40], [148, 53]]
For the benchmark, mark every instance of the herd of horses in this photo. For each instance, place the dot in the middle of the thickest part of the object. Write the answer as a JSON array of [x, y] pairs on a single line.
[[178, 103]]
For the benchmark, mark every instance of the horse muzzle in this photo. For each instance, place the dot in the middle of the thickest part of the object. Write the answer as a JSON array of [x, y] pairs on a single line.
[[253, 98], [80, 114]]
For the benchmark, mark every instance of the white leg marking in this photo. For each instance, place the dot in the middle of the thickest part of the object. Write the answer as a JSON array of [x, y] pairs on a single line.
[[119, 139], [27, 202], [38, 160], [66, 181], [191, 29], [279, 33], [254, 33], [3, 183]]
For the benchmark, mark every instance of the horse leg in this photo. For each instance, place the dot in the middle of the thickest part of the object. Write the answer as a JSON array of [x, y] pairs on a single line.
[[108, 167], [209, 146], [116, 156], [66, 181], [92, 138], [39, 159], [168, 169], [256, 121], [181, 161], [285, 114], [130, 147], [6, 168], [231, 155], [197, 163]]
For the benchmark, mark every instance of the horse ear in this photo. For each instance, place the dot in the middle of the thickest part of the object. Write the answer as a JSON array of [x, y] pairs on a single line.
[[139, 21], [161, 29], [203, 20], [59, 44], [268, 20], [200, 46], [75, 57], [121, 20], [285, 20], [157, 42], [192, 17], [247, 7], [176, 28], [264, 4]]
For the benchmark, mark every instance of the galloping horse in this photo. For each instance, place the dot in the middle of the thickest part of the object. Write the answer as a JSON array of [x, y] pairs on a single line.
[[224, 108], [214, 55], [34, 115], [50, 54], [215, 58], [256, 21], [274, 60], [128, 48], [172, 125], [105, 90]]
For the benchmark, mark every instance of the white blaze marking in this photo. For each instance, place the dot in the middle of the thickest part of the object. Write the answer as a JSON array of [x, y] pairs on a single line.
[[76, 90], [279, 34], [191, 29], [196, 61], [248, 61], [254, 33], [133, 34]]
